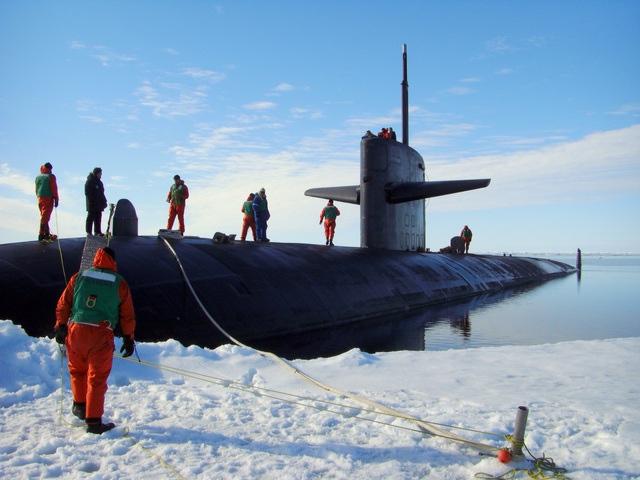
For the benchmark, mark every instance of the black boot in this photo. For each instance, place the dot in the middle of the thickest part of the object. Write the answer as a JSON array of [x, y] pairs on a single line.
[[79, 409], [95, 426]]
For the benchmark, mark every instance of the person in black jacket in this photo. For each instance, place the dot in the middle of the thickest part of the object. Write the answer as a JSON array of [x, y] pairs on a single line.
[[96, 201]]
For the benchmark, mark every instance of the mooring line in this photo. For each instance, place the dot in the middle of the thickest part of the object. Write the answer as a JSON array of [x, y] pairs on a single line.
[[424, 426]]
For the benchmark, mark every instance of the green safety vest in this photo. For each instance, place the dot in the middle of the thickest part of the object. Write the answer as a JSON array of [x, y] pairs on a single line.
[[95, 297], [248, 207], [43, 185], [176, 195], [330, 212]]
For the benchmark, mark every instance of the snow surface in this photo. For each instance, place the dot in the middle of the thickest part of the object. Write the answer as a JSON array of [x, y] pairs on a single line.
[[582, 396]]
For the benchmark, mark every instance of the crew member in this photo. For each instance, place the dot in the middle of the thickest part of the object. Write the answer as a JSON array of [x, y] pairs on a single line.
[[87, 312], [329, 213], [248, 221], [466, 235], [96, 202], [261, 213], [47, 193], [177, 200]]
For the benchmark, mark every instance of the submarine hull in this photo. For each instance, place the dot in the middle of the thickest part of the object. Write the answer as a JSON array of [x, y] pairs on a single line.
[[255, 291]]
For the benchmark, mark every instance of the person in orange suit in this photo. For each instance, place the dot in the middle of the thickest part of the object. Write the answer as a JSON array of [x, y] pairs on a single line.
[[248, 221], [466, 235], [177, 200], [47, 193], [329, 213], [87, 312]]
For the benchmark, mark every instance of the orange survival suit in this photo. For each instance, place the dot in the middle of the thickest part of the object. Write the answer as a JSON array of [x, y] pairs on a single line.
[[92, 303]]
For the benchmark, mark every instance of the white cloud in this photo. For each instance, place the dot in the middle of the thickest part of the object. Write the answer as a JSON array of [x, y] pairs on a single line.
[[203, 74], [630, 109], [459, 90], [260, 106], [284, 87], [171, 100], [602, 164]]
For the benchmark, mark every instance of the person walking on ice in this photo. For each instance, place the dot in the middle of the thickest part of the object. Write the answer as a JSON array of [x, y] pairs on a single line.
[[86, 314]]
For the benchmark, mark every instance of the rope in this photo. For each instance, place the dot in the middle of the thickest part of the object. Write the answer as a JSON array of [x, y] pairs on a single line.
[[151, 454], [278, 395], [64, 273], [126, 432], [423, 426], [543, 468]]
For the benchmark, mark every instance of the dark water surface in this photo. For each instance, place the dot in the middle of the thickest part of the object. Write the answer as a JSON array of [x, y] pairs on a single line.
[[603, 301]]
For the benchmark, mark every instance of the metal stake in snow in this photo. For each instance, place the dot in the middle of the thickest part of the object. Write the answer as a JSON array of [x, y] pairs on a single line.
[[518, 433]]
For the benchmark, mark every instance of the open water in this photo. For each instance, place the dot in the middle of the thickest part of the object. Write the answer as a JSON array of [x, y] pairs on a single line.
[[600, 302]]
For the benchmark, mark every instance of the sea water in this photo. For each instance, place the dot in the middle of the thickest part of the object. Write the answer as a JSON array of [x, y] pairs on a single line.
[[601, 301]]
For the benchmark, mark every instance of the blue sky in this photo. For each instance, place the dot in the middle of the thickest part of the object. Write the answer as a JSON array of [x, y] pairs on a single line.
[[542, 97]]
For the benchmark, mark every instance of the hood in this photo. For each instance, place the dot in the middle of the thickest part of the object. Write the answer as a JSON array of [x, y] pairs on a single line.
[[104, 260]]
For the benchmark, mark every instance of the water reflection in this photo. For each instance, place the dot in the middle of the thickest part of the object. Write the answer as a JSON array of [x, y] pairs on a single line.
[[602, 303], [410, 331]]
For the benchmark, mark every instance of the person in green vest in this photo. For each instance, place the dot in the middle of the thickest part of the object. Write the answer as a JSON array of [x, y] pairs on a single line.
[[466, 235], [329, 213], [248, 221], [92, 304], [177, 200], [47, 193]]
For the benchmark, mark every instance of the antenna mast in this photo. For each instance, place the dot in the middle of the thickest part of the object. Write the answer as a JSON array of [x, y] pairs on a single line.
[[405, 98]]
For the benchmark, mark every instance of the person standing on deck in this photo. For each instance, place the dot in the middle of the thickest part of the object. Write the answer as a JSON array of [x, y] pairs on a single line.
[[329, 213]]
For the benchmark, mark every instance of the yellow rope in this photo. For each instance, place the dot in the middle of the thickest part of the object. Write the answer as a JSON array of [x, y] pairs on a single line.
[[543, 467], [151, 454]]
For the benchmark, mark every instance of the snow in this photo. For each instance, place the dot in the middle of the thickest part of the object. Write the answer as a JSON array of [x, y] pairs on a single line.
[[223, 417]]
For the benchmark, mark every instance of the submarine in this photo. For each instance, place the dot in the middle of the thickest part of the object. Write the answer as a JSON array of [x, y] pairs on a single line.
[[208, 291]]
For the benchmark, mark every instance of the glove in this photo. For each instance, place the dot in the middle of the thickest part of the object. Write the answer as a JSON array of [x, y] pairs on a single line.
[[61, 334], [55, 202], [128, 346]]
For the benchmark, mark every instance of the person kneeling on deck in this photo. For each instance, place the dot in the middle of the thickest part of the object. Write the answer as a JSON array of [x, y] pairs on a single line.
[[87, 312], [329, 213]]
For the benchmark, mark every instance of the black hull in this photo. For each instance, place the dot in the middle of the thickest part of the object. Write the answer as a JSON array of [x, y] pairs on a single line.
[[256, 291]]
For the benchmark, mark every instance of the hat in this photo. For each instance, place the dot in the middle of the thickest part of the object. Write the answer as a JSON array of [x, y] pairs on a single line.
[[48, 165], [176, 177], [109, 251], [97, 170], [262, 190], [330, 201]]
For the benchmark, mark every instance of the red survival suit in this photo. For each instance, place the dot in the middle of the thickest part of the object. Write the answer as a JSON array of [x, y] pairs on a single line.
[[47, 193], [248, 221]]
